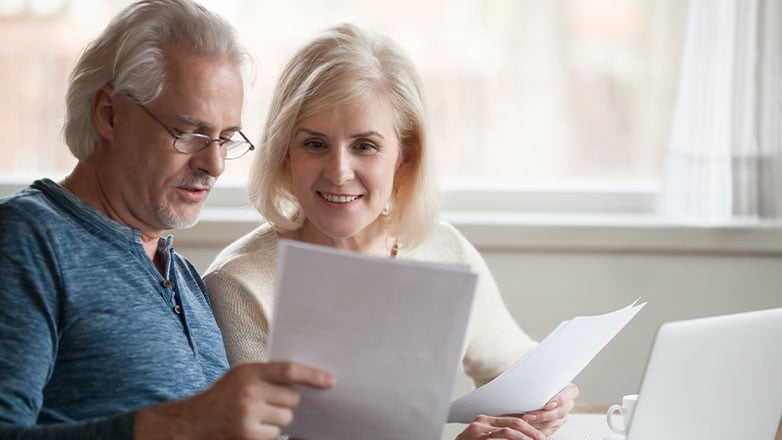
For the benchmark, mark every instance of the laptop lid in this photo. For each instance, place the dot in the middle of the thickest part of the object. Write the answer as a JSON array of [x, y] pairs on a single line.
[[713, 378]]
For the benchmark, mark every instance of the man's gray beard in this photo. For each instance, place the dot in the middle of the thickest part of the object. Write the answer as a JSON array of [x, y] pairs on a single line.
[[173, 220]]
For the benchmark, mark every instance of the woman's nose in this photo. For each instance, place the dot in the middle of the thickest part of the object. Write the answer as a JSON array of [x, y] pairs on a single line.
[[338, 168]]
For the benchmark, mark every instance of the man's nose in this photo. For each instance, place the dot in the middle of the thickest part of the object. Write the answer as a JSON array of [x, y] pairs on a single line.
[[210, 160]]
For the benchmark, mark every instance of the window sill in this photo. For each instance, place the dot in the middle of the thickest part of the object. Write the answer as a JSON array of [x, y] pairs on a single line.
[[539, 221], [551, 232]]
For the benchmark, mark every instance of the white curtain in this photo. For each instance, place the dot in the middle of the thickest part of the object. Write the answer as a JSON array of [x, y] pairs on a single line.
[[725, 158]]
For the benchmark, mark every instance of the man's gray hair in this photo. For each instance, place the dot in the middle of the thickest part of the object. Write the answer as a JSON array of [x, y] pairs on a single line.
[[130, 56]]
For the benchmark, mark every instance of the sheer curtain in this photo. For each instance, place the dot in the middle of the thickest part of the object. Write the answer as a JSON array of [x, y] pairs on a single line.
[[725, 158]]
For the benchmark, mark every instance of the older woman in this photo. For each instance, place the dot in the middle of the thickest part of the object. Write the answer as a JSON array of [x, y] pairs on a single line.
[[344, 162]]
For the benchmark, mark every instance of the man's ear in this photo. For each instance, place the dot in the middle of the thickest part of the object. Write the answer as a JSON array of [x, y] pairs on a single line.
[[103, 112]]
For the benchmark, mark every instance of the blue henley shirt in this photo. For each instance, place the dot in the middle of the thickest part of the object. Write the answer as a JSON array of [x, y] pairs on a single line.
[[89, 329]]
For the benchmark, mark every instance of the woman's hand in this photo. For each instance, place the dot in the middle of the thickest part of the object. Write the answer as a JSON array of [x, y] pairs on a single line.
[[554, 414], [508, 427]]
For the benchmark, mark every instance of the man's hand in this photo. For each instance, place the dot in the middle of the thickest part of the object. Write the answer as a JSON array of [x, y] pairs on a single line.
[[250, 401]]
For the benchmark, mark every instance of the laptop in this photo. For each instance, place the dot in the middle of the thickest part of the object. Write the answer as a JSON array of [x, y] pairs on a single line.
[[706, 379], [713, 378]]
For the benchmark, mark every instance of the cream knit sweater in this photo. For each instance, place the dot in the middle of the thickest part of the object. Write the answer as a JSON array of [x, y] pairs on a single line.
[[240, 282]]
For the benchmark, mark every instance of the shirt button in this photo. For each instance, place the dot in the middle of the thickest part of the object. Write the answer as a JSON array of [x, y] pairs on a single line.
[[177, 309], [165, 283]]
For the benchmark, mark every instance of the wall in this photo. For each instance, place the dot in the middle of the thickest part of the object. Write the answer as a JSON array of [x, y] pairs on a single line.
[[674, 286]]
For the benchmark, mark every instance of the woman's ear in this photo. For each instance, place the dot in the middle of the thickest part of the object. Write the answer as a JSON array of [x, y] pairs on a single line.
[[403, 167], [103, 112]]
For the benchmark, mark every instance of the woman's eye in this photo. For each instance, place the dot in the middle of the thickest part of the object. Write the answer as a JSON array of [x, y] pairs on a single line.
[[314, 144], [366, 147]]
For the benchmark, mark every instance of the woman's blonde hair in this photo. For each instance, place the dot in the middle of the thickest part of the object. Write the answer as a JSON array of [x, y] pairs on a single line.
[[337, 66]]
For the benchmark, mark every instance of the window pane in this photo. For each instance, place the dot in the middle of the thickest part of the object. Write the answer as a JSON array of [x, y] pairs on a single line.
[[527, 91]]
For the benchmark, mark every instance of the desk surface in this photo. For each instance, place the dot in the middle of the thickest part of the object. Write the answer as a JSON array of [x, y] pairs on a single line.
[[583, 426], [587, 422]]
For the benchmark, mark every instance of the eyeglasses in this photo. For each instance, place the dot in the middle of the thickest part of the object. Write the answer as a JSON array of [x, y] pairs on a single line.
[[191, 143]]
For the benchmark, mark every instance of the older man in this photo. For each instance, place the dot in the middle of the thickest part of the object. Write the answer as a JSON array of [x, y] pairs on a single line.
[[105, 331]]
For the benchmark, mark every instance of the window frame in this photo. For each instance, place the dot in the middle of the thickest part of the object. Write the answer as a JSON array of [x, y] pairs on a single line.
[[553, 220]]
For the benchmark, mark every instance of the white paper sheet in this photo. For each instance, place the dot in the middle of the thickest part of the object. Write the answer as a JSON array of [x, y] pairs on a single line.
[[538, 375], [390, 330]]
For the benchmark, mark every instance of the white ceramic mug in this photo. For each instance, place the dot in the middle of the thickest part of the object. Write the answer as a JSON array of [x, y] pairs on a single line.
[[625, 410]]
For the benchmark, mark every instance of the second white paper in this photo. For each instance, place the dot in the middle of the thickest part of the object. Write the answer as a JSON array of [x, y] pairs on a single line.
[[390, 330], [543, 371]]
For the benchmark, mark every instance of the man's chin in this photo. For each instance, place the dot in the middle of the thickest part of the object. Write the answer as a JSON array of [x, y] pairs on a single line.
[[183, 225], [179, 220]]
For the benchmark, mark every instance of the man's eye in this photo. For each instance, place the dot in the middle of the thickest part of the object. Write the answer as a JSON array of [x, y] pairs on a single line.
[[193, 138], [230, 136]]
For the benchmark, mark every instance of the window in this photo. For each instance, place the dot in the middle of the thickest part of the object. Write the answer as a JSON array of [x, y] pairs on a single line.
[[530, 92]]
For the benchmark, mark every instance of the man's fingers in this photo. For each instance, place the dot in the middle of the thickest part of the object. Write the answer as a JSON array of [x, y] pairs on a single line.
[[281, 396], [291, 373], [277, 416]]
